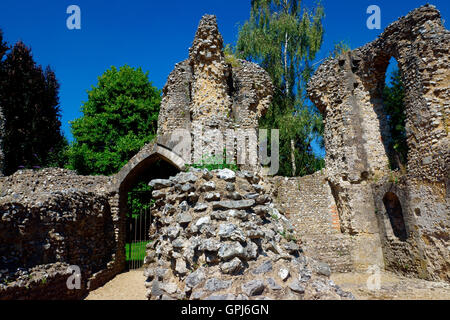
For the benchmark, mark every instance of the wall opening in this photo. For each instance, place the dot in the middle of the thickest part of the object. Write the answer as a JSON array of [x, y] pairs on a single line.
[[394, 107], [136, 201], [394, 211]]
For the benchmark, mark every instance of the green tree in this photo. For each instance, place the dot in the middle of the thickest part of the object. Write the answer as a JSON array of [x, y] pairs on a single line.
[[119, 118], [394, 95], [284, 38], [30, 102]]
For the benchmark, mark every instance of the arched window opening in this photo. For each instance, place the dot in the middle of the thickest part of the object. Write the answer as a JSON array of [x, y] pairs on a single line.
[[395, 213], [393, 96]]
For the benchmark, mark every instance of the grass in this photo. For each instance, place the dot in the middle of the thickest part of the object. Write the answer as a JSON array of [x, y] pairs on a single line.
[[137, 250]]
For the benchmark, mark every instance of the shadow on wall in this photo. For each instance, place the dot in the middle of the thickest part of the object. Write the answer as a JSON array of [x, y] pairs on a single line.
[[395, 213]]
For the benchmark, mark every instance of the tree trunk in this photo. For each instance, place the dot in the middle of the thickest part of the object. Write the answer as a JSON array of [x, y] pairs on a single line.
[[286, 43]]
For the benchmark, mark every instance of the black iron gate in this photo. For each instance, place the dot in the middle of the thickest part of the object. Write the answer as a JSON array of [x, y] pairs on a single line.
[[138, 225]]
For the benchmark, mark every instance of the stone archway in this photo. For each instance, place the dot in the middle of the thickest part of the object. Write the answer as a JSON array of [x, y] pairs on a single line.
[[128, 176]]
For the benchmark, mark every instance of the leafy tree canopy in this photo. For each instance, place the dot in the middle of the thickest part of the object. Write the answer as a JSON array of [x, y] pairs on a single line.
[[30, 103], [119, 118], [284, 38]]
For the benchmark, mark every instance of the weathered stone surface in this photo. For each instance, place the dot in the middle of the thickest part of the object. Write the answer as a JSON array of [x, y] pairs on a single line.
[[214, 284], [348, 91], [158, 184], [236, 205], [223, 250], [253, 288]]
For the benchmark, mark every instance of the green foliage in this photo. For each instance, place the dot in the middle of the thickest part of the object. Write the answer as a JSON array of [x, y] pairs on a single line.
[[136, 251], [284, 39], [30, 102], [139, 199], [119, 118], [214, 163], [230, 57], [340, 48], [394, 95]]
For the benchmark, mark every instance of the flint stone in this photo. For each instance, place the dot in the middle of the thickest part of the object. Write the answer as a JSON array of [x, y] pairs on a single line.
[[159, 184], [255, 234], [188, 188], [186, 177], [214, 284], [184, 218], [184, 206], [211, 245], [237, 205], [226, 229], [265, 267], [218, 215], [291, 247], [253, 288], [271, 283], [169, 288], [261, 210], [200, 207], [180, 267], [232, 267], [323, 269], [195, 278], [207, 175], [229, 251], [158, 195], [212, 196], [202, 221], [156, 290], [230, 187], [208, 186], [240, 214], [227, 175], [297, 287], [234, 196], [283, 274]]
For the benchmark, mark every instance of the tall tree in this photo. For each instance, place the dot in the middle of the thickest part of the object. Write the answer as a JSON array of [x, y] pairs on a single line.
[[30, 102], [394, 94], [119, 118], [3, 49], [284, 38]]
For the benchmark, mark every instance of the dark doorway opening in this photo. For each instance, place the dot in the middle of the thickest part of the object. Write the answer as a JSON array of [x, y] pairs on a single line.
[[395, 213], [139, 202]]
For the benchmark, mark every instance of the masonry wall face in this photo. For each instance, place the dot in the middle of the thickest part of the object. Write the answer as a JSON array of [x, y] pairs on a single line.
[[348, 91], [50, 220]]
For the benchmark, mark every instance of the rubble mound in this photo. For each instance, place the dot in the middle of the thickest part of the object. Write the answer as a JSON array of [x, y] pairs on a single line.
[[216, 235]]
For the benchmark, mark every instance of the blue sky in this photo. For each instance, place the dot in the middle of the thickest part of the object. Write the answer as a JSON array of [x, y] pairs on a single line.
[[155, 35]]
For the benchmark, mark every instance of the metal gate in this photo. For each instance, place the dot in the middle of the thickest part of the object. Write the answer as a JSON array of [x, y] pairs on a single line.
[[138, 225]]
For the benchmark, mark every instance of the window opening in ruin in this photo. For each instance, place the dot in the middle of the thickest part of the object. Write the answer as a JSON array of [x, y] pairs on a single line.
[[393, 96], [395, 213]]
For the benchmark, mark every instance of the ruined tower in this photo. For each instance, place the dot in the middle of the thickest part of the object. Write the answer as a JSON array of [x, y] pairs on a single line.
[[206, 93], [406, 216]]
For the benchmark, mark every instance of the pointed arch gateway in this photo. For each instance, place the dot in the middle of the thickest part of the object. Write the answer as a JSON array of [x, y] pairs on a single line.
[[142, 166]]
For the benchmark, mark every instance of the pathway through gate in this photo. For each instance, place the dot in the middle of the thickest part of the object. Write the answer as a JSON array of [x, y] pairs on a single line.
[[138, 224]]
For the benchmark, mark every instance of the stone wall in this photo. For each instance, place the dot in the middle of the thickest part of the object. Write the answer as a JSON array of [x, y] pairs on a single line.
[[218, 236], [2, 132], [348, 92], [52, 219], [205, 93], [311, 208]]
